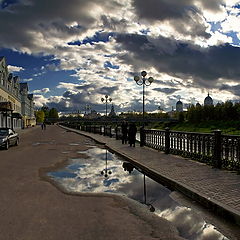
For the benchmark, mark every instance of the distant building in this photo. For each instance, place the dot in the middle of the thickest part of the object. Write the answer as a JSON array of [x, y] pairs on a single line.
[[179, 106], [94, 114], [208, 101], [112, 112], [27, 106]]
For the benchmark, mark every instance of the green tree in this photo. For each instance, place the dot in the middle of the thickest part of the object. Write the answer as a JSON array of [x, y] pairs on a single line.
[[45, 109], [53, 113], [40, 116]]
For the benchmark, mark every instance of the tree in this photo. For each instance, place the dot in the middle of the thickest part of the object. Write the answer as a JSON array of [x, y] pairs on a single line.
[[53, 113], [45, 109], [40, 116], [181, 117]]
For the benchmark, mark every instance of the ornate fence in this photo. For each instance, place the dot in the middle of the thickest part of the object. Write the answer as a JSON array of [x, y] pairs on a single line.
[[216, 149], [221, 151], [230, 153]]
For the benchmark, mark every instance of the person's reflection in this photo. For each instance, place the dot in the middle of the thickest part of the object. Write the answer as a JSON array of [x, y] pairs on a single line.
[[105, 171], [127, 167]]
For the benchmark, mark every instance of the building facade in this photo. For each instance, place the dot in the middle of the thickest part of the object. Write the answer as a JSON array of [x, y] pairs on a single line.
[[11, 100], [27, 106]]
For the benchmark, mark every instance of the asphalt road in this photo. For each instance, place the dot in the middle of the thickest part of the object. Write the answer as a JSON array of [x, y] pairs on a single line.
[[32, 208]]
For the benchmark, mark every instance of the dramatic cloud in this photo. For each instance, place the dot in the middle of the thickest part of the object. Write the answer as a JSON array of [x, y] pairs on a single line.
[[185, 60], [105, 43], [166, 90], [233, 89]]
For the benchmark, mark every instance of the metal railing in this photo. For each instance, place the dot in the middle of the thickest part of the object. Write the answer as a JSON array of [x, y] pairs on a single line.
[[216, 149]]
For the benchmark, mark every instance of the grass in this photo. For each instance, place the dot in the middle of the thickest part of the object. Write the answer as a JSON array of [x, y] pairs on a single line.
[[227, 127]]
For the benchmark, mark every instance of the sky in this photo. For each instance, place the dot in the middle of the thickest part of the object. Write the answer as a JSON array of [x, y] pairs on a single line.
[[73, 53]]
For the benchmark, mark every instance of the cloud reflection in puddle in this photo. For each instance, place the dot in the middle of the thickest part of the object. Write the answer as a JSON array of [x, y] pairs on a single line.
[[84, 175]]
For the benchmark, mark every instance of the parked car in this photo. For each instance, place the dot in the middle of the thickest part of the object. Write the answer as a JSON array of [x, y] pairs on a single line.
[[8, 138]]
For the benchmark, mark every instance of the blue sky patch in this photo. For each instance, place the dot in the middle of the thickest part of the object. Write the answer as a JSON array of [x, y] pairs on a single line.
[[108, 64], [36, 70], [98, 37], [7, 3]]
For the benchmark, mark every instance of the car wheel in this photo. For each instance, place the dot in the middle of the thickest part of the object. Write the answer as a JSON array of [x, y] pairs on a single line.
[[7, 145], [17, 142]]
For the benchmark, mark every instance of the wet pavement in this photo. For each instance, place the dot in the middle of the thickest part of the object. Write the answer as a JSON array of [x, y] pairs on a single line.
[[103, 171]]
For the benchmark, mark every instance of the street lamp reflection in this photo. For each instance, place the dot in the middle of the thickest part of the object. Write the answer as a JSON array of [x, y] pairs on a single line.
[[105, 171], [129, 167]]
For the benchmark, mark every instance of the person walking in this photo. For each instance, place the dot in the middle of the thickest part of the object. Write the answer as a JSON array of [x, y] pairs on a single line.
[[42, 125], [132, 134], [124, 128]]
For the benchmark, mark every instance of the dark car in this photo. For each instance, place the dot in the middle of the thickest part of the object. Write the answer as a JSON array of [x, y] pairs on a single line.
[[8, 138]]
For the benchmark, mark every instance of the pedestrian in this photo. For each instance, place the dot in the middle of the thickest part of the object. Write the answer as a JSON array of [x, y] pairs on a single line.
[[132, 134], [42, 125], [124, 128]]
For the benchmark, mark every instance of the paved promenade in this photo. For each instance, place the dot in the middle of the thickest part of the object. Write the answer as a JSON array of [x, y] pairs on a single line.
[[34, 209], [216, 189]]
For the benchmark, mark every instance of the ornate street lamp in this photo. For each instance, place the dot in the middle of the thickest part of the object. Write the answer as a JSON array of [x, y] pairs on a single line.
[[106, 100], [144, 82]]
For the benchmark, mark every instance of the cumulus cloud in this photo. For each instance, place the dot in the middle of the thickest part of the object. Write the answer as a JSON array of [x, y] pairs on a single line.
[[205, 65], [27, 79], [39, 100], [186, 17], [14, 68], [43, 90]]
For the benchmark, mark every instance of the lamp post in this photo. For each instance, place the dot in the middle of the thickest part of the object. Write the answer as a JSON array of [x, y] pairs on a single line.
[[144, 82], [106, 100]]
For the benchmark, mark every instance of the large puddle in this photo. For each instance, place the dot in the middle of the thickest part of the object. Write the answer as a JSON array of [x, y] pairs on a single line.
[[103, 171]]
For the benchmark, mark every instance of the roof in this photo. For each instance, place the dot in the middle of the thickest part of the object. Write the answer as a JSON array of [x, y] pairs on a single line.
[[23, 86], [30, 96], [208, 97]]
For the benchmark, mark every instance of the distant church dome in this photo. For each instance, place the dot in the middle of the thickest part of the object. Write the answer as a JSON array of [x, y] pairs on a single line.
[[112, 113], [208, 101], [179, 106]]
